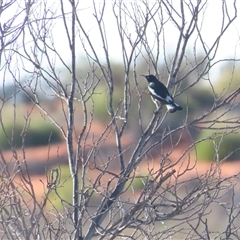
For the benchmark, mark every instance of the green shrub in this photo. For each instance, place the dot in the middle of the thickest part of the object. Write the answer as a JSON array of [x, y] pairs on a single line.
[[61, 194], [218, 146], [100, 101], [13, 136], [39, 133], [138, 183], [100, 106], [62, 191], [42, 133]]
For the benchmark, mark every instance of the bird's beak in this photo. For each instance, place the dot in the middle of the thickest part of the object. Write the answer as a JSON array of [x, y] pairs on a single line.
[[143, 75]]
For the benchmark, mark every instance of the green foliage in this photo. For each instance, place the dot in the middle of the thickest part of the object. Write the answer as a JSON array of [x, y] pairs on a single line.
[[13, 136], [138, 183], [38, 133], [200, 97], [100, 103], [62, 194], [218, 146], [228, 80], [41, 133]]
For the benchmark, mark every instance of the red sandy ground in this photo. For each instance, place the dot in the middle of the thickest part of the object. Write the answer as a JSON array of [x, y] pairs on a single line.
[[41, 154]]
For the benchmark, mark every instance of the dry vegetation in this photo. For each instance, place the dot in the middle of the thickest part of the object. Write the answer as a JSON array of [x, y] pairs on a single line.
[[123, 170]]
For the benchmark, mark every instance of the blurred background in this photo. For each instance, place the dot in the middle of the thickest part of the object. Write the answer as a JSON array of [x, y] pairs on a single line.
[[36, 62]]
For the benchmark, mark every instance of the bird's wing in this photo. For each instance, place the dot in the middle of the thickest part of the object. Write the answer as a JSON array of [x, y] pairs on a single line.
[[160, 92]]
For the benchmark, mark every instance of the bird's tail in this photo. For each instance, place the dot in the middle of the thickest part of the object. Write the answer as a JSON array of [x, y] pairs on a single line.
[[173, 107]]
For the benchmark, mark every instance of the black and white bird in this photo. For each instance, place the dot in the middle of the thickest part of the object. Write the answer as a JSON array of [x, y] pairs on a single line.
[[160, 94]]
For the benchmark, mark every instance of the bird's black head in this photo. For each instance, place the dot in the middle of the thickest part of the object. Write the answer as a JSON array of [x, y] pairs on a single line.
[[150, 78]]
